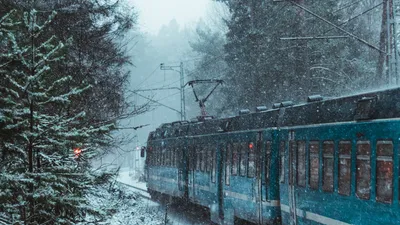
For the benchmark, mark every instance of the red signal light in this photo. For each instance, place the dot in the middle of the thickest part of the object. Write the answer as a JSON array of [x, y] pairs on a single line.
[[77, 152], [251, 145]]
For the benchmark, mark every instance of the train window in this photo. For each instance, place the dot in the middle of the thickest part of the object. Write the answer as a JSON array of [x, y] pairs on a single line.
[[251, 172], [170, 155], [174, 156], [267, 161], [190, 157], [384, 171], [168, 158], [162, 157], [301, 163], [194, 161], [165, 157], [327, 164], [363, 174], [314, 164], [243, 159], [159, 153], [292, 161], [235, 158], [155, 156], [203, 158], [159, 157], [208, 158], [170, 152], [214, 162], [344, 167], [282, 162], [198, 155], [228, 160]]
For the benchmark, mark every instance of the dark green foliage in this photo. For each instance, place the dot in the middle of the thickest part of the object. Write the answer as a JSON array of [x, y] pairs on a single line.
[[263, 69], [57, 93]]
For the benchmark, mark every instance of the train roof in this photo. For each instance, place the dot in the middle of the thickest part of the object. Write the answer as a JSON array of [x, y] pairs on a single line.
[[382, 104]]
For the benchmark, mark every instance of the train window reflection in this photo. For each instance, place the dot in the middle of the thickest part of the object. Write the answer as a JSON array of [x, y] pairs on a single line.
[[169, 156], [190, 159], [252, 157], [344, 167], [384, 171], [301, 163], [314, 164], [327, 181], [267, 161], [228, 159], [363, 174], [243, 159], [208, 158], [203, 159], [176, 157], [235, 159], [282, 162], [214, 161], [198, 155]]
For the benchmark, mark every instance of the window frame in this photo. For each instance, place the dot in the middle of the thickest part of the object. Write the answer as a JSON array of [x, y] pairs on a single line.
[[301, 158], [235, 159], [362, 159], [213, 164], [328, 165], [268, 146], [282, 149], [313, 154], [251, 155], [202, 159], [382, 158], [345, 155], [228, 161], [244, 154]]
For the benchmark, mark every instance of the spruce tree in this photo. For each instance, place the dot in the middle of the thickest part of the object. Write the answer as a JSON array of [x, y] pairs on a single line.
[[42, 181]]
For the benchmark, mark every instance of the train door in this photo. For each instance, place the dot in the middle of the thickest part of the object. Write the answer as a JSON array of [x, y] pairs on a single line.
[[292, 178]]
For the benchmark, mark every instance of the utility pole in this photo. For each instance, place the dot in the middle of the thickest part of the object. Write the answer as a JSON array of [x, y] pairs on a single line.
[[182, 85], [388, 42]]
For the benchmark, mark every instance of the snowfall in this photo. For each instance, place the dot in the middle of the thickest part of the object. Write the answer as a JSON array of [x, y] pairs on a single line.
[[134, 207]]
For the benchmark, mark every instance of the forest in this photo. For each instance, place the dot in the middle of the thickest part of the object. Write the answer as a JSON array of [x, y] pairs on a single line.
[[68, 70], [274, 51], [63, 78]]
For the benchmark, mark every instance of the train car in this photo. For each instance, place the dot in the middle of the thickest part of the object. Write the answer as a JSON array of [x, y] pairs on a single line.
[[321, 162], [345, 170]]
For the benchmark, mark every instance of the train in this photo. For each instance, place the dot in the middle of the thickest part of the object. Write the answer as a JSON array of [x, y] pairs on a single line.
[[325, 161]]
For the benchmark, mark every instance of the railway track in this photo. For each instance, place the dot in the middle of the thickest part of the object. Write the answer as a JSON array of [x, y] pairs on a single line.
[[141, 190]]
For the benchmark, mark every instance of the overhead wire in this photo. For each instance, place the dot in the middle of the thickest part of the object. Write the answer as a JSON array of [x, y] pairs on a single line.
[[347, 6], [151, 74], [356, 16]]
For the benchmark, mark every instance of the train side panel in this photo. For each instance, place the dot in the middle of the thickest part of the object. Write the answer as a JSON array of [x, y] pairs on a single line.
[[341, 174]]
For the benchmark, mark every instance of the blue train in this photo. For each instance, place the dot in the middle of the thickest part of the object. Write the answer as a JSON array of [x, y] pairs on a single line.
[[327, 161]]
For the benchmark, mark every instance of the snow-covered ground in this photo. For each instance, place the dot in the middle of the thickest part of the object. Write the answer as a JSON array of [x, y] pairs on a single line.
[[174, 214], [123, 206]]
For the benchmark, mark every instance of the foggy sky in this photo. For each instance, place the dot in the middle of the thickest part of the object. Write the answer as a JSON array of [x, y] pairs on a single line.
[[154, 13]]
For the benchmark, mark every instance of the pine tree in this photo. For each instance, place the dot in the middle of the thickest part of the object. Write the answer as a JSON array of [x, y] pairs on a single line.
[[41, 180]]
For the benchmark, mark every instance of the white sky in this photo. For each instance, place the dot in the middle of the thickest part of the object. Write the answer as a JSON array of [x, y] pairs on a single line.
[[154, 13]]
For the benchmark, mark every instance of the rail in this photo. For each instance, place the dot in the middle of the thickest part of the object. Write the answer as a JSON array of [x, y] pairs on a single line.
[[137, 188]]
